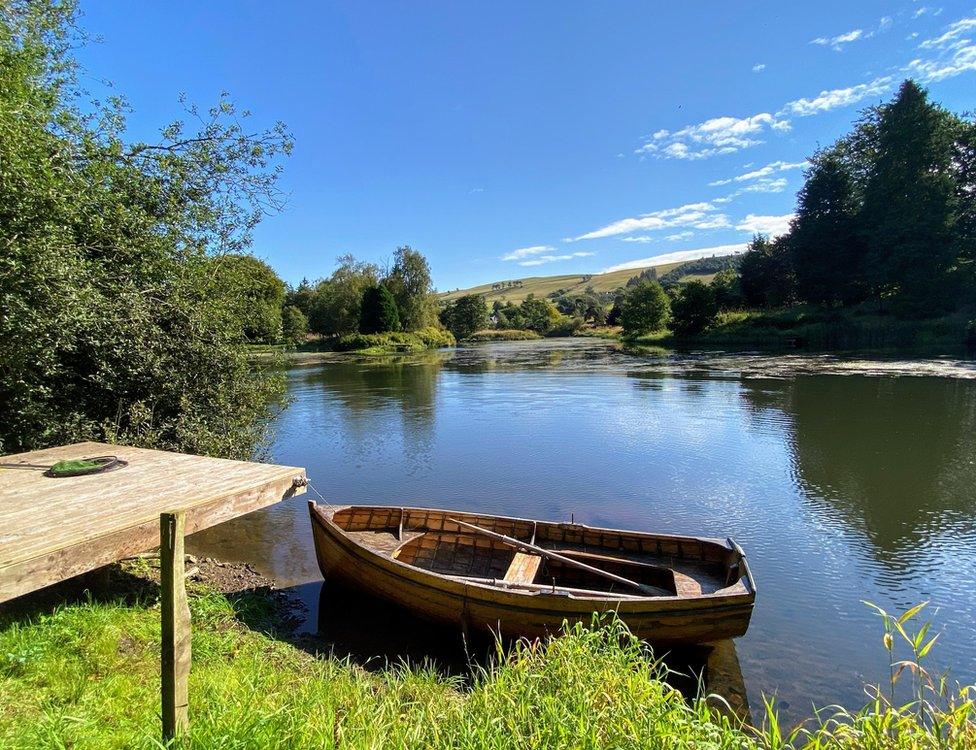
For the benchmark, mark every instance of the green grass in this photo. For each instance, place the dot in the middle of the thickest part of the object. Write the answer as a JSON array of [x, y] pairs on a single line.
[[505, 334], [396, 341], [85, 676], [542, 286]]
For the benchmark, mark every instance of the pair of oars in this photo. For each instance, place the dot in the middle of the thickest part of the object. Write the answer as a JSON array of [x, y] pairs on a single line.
[[519, 545]]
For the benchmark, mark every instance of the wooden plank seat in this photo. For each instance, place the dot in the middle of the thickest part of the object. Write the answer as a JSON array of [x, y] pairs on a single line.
[[523, 568]]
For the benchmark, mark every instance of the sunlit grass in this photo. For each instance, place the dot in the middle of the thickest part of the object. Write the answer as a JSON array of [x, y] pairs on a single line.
[[86, 676]]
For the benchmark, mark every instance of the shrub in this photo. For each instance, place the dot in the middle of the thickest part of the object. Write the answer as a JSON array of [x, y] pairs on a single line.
[[565, 326]]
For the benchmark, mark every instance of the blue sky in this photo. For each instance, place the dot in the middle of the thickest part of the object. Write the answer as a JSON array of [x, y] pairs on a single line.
[[511, 139]]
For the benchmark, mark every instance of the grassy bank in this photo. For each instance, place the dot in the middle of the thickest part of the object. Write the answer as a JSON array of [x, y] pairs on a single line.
[[492, 334], [819, 329], [398, 342], [86, 676]]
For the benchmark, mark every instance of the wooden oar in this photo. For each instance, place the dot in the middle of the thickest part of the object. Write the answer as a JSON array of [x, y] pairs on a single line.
[[512, 542]]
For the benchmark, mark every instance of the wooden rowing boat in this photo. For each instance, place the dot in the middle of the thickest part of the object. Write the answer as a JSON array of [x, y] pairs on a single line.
[[525, 578]]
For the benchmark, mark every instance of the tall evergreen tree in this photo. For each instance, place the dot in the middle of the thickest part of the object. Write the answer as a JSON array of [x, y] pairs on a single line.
[[910, 204], [379, 312], [766, 273], [829, 252]]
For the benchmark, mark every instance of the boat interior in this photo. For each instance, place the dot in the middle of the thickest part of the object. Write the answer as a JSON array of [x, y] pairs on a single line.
[[433, 540]]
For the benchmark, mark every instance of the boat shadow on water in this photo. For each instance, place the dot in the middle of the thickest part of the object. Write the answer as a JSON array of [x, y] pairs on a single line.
[[374, 633]]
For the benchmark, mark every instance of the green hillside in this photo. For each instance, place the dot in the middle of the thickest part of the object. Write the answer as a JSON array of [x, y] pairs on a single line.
[[518, 288]]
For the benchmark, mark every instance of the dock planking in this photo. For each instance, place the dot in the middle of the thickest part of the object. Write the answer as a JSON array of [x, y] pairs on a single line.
[[52, 529]]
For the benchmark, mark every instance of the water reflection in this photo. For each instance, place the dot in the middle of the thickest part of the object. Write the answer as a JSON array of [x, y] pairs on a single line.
[[841, 487]]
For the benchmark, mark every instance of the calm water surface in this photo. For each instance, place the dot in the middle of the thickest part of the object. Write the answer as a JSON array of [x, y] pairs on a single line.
[[843, 480]]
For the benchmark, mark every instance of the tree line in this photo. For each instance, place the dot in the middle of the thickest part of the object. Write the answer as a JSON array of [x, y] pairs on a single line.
[[886, 216]]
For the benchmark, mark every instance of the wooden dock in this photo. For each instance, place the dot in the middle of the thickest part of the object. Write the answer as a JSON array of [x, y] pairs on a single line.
[[52, 529]]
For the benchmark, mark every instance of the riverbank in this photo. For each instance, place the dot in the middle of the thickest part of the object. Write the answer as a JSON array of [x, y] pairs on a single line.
[[365, 344], [84, 674], [811, 328]]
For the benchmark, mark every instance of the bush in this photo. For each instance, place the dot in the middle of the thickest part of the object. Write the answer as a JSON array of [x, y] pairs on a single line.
[[693, 308], [645, 308], [566, 326], [396, 341], [504, 334]]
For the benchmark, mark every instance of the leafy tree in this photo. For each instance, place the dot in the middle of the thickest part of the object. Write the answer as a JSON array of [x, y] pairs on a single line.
[[257, 292], [766, 273], [508, 316], [910, 203], [113, 325], [538, 315], [337, 302], [410, 283], [379, 312], [465, 315], [693, 308], [644, 308], [727, 288], [294, 325]]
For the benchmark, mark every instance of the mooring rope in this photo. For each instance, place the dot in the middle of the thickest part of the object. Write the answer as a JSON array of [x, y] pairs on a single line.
[[308, 483]]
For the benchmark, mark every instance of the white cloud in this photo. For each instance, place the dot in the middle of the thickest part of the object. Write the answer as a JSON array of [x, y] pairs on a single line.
[[695, 215], [954, 53], [769, 169], [719, 135], [952, 34], [758, 67], [834, 98], [680, 255], [524, 252], [680, 236], [543, 259], [766, 185], [837, 42], [773, 226]]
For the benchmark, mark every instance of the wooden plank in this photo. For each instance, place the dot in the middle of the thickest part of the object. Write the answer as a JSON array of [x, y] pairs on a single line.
[[175, 612], [91, 521], [523, 568]]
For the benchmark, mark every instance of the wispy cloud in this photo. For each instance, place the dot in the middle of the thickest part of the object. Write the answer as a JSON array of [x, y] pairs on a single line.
[[954, 53], [543, 259], [762, 172], [838, 42], [694, 215], [719, 135], [758, 67], [834, 98], [679, 256], [772, 226], [680, 236], [524, 252]]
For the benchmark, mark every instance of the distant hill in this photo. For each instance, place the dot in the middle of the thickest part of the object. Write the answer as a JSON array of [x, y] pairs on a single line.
[[518, 288]]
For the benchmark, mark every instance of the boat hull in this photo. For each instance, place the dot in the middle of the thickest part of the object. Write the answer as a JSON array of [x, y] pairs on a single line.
[[474, 606]]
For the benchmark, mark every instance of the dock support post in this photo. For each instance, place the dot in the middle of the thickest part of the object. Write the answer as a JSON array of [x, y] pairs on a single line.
[[175, 611]]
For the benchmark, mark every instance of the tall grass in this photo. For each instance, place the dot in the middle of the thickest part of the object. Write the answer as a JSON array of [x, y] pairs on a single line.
[[86, 676]]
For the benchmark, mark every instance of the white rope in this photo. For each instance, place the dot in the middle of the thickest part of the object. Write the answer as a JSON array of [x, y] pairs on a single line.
[[321, 496]]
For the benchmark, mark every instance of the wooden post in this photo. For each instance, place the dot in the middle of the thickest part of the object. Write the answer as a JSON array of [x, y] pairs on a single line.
[[175, 625]]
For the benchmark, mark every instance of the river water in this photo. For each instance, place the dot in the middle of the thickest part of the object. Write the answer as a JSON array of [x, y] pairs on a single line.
[[844, 480]]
